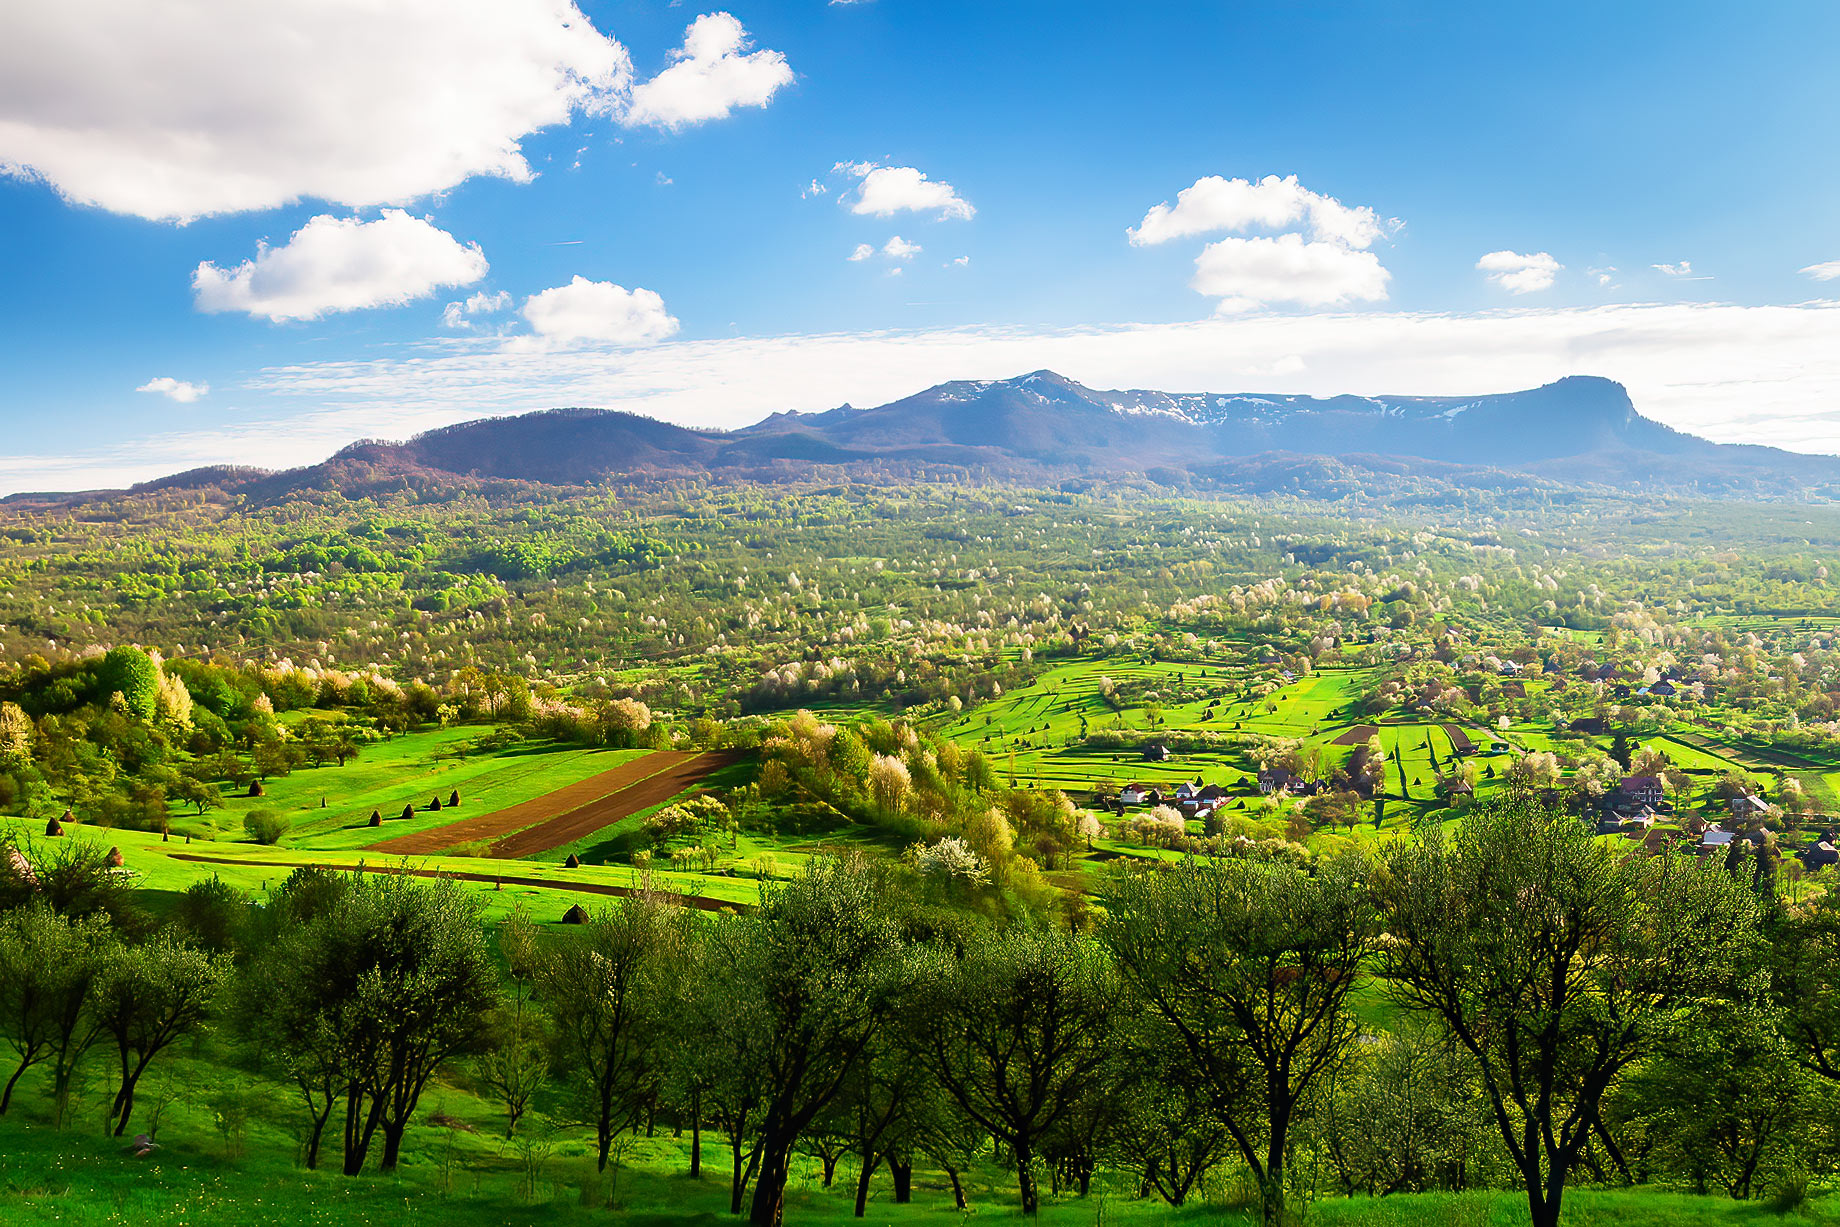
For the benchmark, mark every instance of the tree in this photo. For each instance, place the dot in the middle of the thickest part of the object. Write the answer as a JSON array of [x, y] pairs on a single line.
[[877, 1106], [16, 733], [1620, 749], [1724, 1101], [427, 988], [710, 1060], [1556, 962], [1164, 1124], [133, 675], [601, 985], [384, 979], [1016, 1027], [47, 971], [515, 1063], [292, 1021], [1406, 1114], [49, 966], [1250, 964], [808, 974], [266, 826], [148, 997], [1804, 948]]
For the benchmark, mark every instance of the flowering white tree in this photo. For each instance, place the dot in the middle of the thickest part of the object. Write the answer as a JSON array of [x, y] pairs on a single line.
[[889, 782], [950, 858]]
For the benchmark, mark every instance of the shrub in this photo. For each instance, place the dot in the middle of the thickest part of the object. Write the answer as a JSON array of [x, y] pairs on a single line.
[[266, 826], [211, 912]]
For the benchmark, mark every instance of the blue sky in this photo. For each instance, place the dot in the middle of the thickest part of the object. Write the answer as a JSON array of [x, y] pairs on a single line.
[[1485, 197]]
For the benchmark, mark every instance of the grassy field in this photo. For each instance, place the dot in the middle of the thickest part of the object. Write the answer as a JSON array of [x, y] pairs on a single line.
[[463, 1172], [162, 871], [1034, 733], [410, 770]]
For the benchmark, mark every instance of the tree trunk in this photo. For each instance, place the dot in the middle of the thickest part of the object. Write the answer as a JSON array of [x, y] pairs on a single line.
[[958, 1189], [124, 1106], [770, 1185], [1025, 1181], [1271, 1193], [903, 1173], [60, 1093], [314, 1134], [696, 1135], [737, 1180], [603, 1134], [392, 1145], [6, 1096], [870, 1161], [358, 1137]]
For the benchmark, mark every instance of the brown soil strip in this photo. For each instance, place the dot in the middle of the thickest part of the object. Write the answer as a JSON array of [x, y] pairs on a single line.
[[587, 888], [1356, 736], [1459, 739], [580, 823], [499, 823]]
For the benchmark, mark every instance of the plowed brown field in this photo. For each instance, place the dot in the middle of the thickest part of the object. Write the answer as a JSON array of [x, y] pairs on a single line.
[[546, 822], [642, 794]]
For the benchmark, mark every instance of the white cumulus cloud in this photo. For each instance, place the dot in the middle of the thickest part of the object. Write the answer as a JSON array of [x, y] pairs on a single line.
[[460, 315], [175, 389], [335, 264], [1248, 273], [887, 190], [1683, 269], [598, 311], [179, 111], [898, 248], [1213, 203], [1829, 271], [1521, 274], [863, 251], [710, 75]]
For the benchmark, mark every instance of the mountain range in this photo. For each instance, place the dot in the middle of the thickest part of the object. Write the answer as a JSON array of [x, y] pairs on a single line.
[[1044, 426]]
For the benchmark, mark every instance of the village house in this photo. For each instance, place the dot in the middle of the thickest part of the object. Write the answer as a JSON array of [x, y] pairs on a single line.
[[1641, 790], [1276, 780], [1747, 808], [1820, 855], [1156, 752]]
